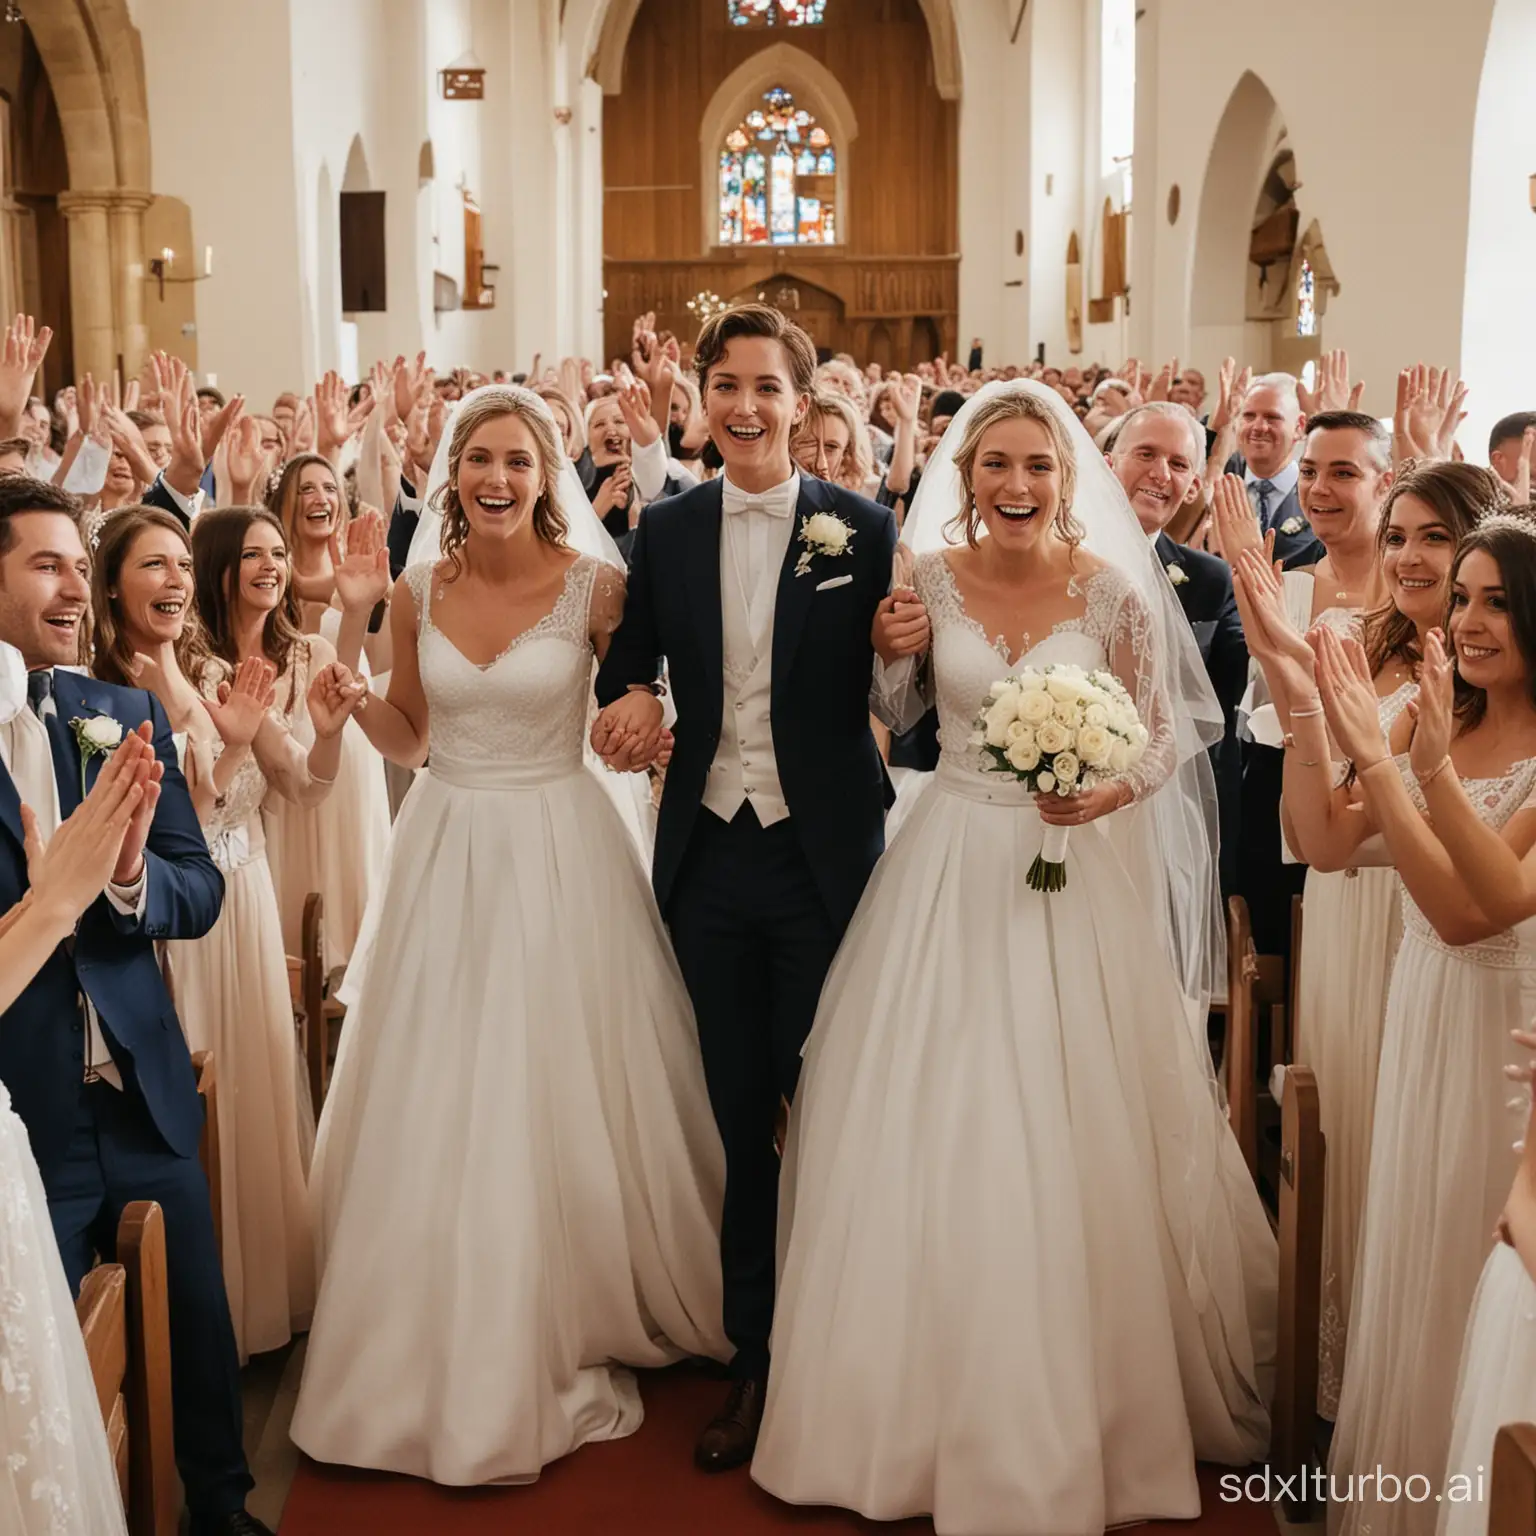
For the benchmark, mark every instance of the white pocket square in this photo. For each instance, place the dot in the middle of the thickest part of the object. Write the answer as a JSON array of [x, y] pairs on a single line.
[[836, 581]]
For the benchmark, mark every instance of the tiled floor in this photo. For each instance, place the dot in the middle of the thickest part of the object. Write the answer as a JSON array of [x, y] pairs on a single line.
[[270, 1386]]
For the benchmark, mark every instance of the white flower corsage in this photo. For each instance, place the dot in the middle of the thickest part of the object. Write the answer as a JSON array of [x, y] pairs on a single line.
[[1177, 574], [1292, 525], [96, 736], [823, 534]]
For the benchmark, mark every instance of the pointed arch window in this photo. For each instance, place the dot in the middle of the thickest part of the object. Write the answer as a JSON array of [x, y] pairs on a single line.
[[1306, 300], [778, 177], [775, 13]]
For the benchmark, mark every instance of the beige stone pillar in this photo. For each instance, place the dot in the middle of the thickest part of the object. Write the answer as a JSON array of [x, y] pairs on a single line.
[[128, 272], [90, 281]]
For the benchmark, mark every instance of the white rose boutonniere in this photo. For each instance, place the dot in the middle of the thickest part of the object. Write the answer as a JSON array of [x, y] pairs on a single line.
[[1292, 525], [96, 736], [823, 534], [1177, 574]]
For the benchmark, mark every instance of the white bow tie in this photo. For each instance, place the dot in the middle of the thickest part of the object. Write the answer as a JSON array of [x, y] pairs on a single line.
[[774, 503]]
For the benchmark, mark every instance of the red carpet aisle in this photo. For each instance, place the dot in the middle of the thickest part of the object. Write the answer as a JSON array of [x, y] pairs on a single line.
[[642, 1486]]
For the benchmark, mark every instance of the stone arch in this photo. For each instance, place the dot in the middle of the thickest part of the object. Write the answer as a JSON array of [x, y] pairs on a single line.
[[814, 86], [605, 62], [95, 62], [1243, 154]]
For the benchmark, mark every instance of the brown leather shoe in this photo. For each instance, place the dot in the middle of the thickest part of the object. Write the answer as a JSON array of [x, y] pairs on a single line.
[[731, 1436]]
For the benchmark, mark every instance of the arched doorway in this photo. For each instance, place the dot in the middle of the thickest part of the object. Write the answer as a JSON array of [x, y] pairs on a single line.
[[89, 228]]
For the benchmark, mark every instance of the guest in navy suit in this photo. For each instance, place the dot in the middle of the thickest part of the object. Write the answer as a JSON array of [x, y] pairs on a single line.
[[761, 590], [1157, 455], [1270, 427], [92, 1052]]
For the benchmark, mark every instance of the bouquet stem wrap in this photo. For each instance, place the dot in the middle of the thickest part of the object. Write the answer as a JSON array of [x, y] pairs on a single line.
[[1049, 871]]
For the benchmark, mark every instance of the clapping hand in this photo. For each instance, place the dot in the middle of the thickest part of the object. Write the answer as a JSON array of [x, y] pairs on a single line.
[[130, 855], [1334, 391], [362, 574], [901, 626], [243, 702], [1349, 697], [334, 697], [80, 859], [1434, 709], [1234, 523], [20, 357], [1428, 412], [1284, 654], [627, 734]]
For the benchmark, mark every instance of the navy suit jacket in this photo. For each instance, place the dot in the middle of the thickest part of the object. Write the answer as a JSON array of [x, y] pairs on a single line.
[[1293, 550], [111, 958], [830, 769]]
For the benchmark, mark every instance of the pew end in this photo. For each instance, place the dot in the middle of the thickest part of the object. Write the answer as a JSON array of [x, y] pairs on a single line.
[[1512, 1486]]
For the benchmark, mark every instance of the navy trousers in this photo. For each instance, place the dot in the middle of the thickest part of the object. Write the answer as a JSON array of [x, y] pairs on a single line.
[[754, 941], [115, 1157]]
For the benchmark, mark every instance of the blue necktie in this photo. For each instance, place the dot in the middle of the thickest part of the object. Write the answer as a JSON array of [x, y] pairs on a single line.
[[39, 689], [1266, 489]]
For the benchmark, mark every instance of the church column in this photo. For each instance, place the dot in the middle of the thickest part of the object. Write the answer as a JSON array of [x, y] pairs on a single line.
[[90, 281], [126, 218]]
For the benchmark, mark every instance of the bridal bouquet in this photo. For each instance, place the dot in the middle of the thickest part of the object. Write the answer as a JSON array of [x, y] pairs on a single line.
[[1058, 729]]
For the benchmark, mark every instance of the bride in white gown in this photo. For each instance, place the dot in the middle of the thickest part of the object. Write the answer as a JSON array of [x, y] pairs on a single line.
[[518, 1179], [1028, 1279]]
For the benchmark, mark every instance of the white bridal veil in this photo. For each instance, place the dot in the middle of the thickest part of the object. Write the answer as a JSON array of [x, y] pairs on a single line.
[[584, 529], [1182, 814]]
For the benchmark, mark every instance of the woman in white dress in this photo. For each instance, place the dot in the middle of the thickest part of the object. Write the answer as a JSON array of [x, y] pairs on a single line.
[[56, 1472], [335, 847], [518, 1178], [1439, 1165], [1350, 915], [232, 984], [1028, 1279]]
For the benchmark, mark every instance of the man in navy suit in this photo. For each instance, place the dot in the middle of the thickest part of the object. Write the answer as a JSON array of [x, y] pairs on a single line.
[[1157, 456], [1270, 427], [764, 591], [92, 1052]]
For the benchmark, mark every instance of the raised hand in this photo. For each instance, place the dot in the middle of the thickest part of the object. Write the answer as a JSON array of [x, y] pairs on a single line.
[[334, 698], [1234, 523], [1520, 487], [408, 381], [634, 397], [1434, 708], [901, 626], [362, 574], [1334, 391], [1163, 383], [246, 460], [905, 391], [130, 855], [243, 702], [303, 428], [21, 356], [1349, 697], [330, 414]]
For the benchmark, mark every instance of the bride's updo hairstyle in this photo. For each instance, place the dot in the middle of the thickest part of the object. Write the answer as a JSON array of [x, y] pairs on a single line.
[[1015, 405], [1507, 535], [491, 405]]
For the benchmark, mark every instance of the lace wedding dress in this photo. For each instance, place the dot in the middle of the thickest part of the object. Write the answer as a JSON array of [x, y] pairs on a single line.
[[518, 1179], [1439, 1174], [1028, 1279], [56, 1473]]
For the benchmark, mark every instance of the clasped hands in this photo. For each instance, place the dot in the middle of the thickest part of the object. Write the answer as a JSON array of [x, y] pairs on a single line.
[[629, 736]]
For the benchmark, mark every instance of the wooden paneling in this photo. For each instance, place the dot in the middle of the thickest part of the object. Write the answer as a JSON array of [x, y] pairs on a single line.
[[901, 175], [364, 285]]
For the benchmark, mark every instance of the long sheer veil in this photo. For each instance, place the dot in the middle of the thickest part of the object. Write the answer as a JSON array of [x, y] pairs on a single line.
[[584, 529], [1184, 893]]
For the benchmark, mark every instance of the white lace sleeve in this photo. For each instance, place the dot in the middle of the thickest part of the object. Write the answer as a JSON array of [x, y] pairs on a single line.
[[605, 608], [1128, 646]]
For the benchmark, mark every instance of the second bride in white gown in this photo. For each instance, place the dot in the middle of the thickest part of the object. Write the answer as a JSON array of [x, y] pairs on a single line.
[[1028, 1279], [518, 1179]]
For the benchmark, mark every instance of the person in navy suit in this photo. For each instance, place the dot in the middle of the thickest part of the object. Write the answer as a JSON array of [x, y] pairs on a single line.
[[92, 1052], [1270, 427], [762, 591], [1157, 455]]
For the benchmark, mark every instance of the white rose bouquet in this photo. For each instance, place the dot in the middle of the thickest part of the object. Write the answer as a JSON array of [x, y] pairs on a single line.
[[1058, 730]]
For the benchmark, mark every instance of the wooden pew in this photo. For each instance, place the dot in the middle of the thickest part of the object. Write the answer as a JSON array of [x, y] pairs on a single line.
[[1255, 996], [1512, 1486], [1302, 1159], [124, 1314], [208, 1148], [316, 1014]]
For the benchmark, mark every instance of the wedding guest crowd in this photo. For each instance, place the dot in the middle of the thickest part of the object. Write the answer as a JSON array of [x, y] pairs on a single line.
[[203, 659]]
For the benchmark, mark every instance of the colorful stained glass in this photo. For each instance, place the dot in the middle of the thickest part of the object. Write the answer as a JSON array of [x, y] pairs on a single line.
[[762, 165], [775, 13], [1306, 301]]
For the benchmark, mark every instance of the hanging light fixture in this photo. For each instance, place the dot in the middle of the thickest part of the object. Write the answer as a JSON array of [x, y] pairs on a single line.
[[13, 11]]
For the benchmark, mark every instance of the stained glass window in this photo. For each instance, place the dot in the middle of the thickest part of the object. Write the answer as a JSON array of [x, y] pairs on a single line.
[[1306, 305], [775, 13], [778, 173]]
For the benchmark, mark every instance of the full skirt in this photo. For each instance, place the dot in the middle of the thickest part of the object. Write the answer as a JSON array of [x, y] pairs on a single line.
[[1350, 937], [1028, 1278], [1440, 1172], [233, 999], [518, 1179]]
